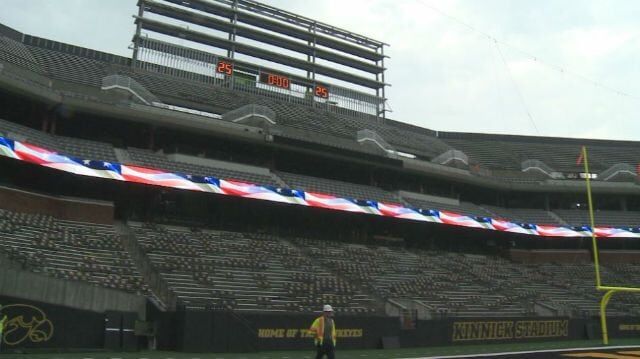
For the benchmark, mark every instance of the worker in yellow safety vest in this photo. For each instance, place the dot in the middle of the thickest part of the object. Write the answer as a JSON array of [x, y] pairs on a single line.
[[324, 330]]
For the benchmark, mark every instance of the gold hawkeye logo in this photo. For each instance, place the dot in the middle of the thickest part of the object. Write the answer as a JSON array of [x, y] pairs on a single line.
[[25, 323]]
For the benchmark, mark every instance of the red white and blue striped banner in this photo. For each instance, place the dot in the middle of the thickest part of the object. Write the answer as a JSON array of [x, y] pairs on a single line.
[[130, 173]]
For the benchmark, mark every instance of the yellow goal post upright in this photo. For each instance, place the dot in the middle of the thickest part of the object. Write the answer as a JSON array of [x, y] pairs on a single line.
[[609, 290]]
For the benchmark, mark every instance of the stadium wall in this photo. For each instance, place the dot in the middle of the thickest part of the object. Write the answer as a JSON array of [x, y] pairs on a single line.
[[278, 332], [74, 209], [459, 331], [71, 294], [463, 331], [551, 255], [572, 256], [50, 326], [36, 325], [224, 331]]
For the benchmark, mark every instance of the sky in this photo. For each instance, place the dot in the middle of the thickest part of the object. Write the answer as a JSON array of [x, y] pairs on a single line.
[[563, 68]]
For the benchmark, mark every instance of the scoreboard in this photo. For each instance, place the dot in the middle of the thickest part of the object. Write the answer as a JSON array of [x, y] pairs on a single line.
[[321, 91], [226, 68], [275, 80]]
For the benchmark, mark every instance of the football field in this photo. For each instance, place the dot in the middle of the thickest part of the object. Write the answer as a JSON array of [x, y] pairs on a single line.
[[619, 349]]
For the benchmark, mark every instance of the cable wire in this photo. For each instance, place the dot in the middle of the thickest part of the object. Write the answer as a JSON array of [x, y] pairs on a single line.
[[517, 88], [534, 57]]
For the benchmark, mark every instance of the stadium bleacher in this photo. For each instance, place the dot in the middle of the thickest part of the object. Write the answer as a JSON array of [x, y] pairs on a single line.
[[76, 147], [524, 215], [262, 272], [70, 68], [468, 285], [160, 161], [23, 133], [69, 250], [248, 272], [86, 149], [340, 188], [508, 152], [16, 53], [577, 217], [461, 207]]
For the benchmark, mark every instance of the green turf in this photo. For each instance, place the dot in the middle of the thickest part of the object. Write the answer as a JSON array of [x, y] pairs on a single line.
[[342, 354]]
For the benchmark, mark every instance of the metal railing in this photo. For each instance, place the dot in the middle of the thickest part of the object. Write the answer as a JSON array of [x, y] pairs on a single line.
[[530, 164], [128, 84], [152, 276], [451, 155], [371, 136], [251, 112], [197, 65], [619, 168]]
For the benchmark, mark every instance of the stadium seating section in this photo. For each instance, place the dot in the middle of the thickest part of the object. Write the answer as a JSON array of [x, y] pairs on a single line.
[[612, 218], [245, 271], [72, 146], [208, 268], [160, 161], [508, 152], [16, 53], [526, 215], [103, 151], [339, 188], [465, 208], [70, 250]]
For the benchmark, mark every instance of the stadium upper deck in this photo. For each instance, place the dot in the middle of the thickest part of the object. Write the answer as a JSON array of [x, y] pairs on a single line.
[[60, 73]]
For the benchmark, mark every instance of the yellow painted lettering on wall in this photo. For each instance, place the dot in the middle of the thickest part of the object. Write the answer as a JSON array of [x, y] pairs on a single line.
[[489, 330], [270, 333], [505, 330], [288, 333], [542, 328], [349, 333], [306, 333], [629, 327]]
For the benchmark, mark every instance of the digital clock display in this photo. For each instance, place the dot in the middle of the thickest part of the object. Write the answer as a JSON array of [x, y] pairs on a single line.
[[224, 67], [321, 91], [275, 80]]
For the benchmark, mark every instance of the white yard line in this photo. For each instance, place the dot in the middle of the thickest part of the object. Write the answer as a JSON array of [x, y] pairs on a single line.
[[527, 352]]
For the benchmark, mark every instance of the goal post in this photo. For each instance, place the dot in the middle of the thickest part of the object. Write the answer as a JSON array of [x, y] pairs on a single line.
[[609, 290]]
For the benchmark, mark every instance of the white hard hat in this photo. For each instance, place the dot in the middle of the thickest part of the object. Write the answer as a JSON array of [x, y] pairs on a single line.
[[327, 308]]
